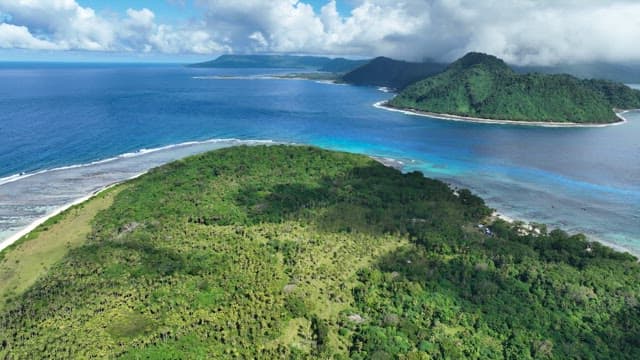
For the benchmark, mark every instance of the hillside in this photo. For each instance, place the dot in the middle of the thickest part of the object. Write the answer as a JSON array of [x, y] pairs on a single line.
[[338, 65], [295, 252], [480, 85], [391, 73], [623, 73]]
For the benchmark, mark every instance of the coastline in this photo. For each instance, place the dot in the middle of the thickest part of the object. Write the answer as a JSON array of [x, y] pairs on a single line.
[[498, 214], [290, 77], [34, 225], [590, 236], [386, 161], [384, 106], [7, 242], [140, 152]]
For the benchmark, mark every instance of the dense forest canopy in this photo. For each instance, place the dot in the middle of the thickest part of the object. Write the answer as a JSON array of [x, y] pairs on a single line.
[[295, 252], [391, 73], [479, 85]]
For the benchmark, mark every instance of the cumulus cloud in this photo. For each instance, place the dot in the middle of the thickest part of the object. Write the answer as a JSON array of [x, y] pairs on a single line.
[[12, 36], [66, 25], [520, 31]]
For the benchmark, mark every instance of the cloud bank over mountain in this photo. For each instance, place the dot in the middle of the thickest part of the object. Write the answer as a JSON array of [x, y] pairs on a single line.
[[538, 32]]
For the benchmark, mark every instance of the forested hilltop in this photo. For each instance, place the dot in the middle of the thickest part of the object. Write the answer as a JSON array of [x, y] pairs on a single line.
[[296, 252], [483, 86]]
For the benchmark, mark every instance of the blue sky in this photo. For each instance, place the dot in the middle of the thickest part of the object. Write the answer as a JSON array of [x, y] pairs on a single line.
[[525, 32], [165, 10], [178, 10]]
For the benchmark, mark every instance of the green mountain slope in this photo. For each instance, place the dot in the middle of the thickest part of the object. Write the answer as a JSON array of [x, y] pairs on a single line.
[[623, 73], [480, 85], [391, 73], [295, 252], [338, 65]]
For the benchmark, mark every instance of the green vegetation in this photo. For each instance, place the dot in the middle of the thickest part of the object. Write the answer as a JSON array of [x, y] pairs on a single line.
[[295, 252], [622, 73], [30, 257], [325, 64], [391, 73], [480, 85]]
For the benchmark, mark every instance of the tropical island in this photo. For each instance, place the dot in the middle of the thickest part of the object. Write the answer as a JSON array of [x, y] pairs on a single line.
[[477, 87], [296, 252], [315, 63], [482, 87]]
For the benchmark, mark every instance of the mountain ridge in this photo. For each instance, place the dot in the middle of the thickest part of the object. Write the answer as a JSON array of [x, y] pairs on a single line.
[[317, 63]]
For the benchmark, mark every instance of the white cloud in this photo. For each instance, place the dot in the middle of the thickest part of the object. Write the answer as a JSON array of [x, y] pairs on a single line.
[[551, 32], [260, 43], [12, 36], [168, 40], [140, 18], [62, 22], [65, 25], [520, 31]]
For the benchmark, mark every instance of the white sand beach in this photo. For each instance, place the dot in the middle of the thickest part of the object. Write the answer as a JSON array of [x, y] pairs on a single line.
[[383, 105]]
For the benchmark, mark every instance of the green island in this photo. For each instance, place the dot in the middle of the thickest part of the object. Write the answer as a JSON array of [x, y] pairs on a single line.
[[287, 252], [319, 63], [483, 86]]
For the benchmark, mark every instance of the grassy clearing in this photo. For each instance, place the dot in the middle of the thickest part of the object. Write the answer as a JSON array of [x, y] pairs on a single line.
[[32, 256]]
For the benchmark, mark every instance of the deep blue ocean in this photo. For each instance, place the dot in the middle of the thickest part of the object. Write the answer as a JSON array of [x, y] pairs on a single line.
[[58, 115]]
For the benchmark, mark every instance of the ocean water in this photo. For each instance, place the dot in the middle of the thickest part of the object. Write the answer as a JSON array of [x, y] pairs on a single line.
[[68, 130]]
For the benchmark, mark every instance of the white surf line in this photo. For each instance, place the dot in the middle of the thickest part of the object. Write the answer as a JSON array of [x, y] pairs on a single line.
[[20, 234], [382, 105], [32, 226], [140, 152]]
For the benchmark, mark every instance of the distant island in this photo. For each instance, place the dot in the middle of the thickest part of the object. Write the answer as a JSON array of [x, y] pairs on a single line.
[[482, 86], [316, 63], [397, 74], [477, 87]]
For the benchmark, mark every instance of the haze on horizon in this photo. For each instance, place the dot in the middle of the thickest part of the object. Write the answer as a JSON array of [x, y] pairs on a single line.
[[523, 32]]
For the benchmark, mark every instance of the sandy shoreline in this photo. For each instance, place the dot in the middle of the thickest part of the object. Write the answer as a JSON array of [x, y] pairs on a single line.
[[398, 165], [17, 236], [390, 162], [20, 234], [383, 105], [31, 227]]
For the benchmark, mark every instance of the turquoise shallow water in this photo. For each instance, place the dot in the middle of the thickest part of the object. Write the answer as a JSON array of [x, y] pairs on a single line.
[[51, 116]]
